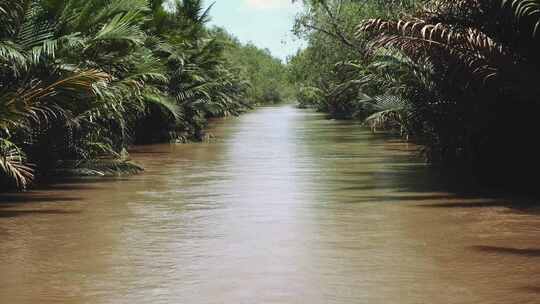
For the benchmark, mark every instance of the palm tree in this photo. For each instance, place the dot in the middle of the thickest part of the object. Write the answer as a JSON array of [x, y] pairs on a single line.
[[485, 63], [32, 88], [78, 79]]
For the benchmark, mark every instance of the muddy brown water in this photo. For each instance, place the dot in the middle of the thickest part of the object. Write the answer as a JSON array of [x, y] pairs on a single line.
[[282, 207]]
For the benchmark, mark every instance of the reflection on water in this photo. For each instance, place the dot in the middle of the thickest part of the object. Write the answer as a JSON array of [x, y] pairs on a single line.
[[286, 207]]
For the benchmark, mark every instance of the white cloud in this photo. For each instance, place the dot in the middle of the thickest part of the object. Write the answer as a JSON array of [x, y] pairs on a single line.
[[268, 4]]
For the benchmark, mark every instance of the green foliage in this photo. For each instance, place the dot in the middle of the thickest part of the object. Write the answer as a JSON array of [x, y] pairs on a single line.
[[334, 53], [459, 77], [81, 80], [310, 97]]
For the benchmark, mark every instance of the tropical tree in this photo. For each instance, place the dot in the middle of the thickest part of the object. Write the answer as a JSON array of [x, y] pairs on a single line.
[[485, 63], [326, 72], [81, 80], [458, 77]]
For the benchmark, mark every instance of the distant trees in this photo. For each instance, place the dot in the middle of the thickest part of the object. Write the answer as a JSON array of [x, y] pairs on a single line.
[[267, 75]]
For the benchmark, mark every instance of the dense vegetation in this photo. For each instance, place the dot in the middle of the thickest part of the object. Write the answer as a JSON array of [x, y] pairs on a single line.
[[81, 80], [459, 77]]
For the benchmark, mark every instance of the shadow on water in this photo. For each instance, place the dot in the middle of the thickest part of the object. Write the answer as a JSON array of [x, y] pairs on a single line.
[[19, 213], [381, 168], [55, 192], [87, 181], [10, 205], [68, 184], [417, 182], [11, 199], [531, 289], [518, 205], [525, 252]]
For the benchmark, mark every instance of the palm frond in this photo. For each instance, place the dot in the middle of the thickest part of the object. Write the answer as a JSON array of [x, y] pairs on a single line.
[[166, 103], [526, 11], [390, 113], [13, 164], [479, 53], [123, 28]]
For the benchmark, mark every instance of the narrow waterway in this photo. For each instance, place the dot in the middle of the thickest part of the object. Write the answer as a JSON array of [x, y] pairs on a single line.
[[282, 207]]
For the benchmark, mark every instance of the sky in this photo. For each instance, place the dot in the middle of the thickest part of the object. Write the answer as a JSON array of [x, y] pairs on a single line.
[[266, 23]]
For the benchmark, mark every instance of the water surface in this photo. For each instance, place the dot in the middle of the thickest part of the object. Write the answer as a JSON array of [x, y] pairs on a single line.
[[282, 207]]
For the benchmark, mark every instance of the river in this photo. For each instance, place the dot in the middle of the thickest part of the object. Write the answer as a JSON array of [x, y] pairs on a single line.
[[282, 206]]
